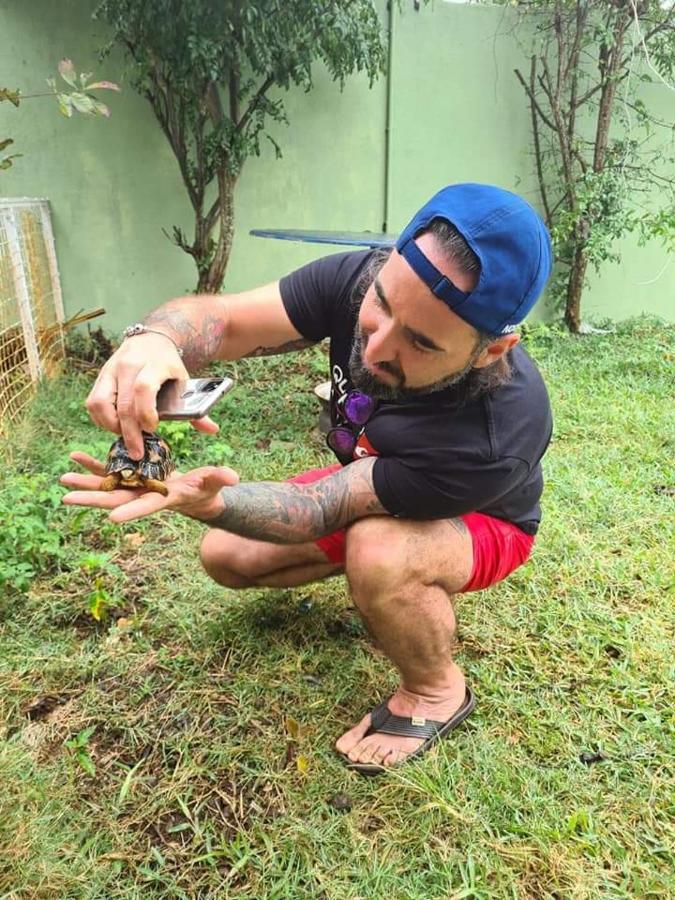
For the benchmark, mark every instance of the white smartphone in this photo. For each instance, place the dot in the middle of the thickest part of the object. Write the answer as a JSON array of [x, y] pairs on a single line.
[[190, 399]]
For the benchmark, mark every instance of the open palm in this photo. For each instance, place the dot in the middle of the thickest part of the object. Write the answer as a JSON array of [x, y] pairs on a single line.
[[195, 493]]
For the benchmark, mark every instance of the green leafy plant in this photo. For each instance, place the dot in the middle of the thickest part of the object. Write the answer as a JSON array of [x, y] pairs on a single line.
[[100, 599], [78, 747], [77, 96], [180, 436], [31, 539], [212, 72], [80, 98]]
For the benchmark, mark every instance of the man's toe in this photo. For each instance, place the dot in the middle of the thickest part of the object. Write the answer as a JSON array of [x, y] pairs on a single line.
[[394, 757], [352, 738], [363, 751]]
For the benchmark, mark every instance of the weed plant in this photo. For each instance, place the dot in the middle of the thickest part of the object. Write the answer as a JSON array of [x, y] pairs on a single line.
[[163, 737]]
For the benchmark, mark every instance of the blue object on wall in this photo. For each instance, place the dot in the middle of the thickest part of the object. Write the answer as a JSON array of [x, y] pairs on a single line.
[[348, 238]]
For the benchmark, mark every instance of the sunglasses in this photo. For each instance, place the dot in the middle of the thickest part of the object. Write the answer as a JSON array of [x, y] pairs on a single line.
[[356, 408]]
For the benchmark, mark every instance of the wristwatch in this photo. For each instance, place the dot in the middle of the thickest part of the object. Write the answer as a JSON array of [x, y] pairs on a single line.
[[140, 328]]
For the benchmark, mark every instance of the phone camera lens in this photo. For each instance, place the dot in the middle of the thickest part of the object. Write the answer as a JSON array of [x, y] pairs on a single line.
[[211, 386]]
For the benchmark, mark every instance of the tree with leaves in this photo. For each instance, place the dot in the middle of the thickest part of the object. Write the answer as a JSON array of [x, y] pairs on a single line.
[[209, 69], [601, 170], [77, 96]]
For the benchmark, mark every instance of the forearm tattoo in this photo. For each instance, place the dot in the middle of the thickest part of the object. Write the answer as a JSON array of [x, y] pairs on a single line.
[[285, 513], [300, 344], [200, 336]]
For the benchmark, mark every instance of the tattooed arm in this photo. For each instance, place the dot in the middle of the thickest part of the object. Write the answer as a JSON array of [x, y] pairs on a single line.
[[205, 328], [209, 327], [294, 513]]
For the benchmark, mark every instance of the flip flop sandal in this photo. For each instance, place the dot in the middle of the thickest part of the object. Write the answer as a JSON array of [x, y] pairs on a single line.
[[382, 721]]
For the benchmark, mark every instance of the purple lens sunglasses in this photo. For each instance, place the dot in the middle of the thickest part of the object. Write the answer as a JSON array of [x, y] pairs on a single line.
[[356, 408]]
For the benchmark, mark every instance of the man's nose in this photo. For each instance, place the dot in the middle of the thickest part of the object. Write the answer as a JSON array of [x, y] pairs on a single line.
[[381, 346]]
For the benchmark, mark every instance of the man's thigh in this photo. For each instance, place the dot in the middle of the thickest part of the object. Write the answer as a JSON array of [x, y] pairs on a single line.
[[469, 553]]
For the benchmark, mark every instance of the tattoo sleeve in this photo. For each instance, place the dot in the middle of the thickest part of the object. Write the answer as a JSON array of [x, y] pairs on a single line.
[[285, 513], [199, 335], [282, 348]]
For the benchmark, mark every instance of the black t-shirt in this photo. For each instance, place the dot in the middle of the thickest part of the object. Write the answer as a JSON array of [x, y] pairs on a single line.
[[443, 454]]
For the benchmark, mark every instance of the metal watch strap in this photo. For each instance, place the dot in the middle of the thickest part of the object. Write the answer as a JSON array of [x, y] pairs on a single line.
[[140, 328]]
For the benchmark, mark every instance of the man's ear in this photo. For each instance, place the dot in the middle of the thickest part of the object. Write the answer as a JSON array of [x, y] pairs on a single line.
[[496, 349]]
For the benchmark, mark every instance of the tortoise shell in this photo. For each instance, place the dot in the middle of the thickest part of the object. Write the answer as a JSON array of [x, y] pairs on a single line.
[[155, 466]]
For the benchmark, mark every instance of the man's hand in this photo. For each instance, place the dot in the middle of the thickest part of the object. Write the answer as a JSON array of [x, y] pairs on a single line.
[[195, 494], [124, 398]]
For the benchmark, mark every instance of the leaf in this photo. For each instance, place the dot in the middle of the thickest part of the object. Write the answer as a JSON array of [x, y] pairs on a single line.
[[302, 763], [98, 602], [83, 103], [6, 143], [67, 72], [292, 728], [101, 109], [13, 96], [126, 784], [65, 107], [134, 539], [104, 85], [86, 762]]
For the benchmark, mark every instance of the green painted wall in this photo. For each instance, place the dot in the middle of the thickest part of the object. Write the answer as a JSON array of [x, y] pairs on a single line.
[[457, 113]]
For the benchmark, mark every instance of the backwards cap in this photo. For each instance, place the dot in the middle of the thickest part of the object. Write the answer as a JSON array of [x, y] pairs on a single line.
[[508, 237]]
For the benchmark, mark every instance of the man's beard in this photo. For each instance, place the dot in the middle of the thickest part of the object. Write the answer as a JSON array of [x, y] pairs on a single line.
[[365, 381]]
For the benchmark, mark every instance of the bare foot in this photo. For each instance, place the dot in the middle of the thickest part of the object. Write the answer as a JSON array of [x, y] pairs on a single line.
[[390, 749]]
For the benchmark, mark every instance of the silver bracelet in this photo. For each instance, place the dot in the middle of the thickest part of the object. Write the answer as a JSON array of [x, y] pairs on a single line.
[[140, 328]]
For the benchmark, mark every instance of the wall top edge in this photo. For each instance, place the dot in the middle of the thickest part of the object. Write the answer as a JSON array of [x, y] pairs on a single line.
[[22, 201]]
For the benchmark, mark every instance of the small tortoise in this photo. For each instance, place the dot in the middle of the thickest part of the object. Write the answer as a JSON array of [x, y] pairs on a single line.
[[150, 472]]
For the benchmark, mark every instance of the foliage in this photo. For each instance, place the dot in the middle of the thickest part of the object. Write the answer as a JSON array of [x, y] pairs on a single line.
[[31, 541], [211, 71], [78, 747], [76, 97], [80, 99], [601, 172]]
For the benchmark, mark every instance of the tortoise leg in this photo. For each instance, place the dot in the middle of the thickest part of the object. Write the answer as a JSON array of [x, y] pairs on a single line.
[[110, 482], [153, 485]]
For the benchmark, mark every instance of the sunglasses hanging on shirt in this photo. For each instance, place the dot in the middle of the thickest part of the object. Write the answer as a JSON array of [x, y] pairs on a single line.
[[355, 408]]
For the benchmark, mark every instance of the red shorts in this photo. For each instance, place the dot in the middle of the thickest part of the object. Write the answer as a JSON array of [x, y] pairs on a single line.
[[499, 547]]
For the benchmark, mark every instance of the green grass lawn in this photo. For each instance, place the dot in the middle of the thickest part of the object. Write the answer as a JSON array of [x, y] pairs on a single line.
[[180, 745]]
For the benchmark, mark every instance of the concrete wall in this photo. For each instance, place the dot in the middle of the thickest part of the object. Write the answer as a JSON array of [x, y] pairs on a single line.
[[457, 113]]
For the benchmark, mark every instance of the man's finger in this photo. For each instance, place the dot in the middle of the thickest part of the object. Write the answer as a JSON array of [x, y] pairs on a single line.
[[216, 477], [82, 482], [99, 499], [146, 388], [101, 402], [126, 410], [94, 465], [143, 506], [205, 424]]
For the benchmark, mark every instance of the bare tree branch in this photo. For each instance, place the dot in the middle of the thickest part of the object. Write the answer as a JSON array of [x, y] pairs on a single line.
[[533, 100]]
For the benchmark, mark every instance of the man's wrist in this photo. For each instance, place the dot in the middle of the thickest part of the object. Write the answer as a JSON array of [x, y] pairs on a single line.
[[139, 328]]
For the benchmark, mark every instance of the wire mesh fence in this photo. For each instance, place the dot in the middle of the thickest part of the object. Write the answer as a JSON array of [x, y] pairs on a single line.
[[31, 306]]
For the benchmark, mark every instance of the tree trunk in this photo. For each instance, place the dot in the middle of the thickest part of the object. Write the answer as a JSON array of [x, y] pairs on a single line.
[[212, 269], [575, 286]]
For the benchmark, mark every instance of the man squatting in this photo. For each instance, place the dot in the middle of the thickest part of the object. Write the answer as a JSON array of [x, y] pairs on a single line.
[[440, 420]]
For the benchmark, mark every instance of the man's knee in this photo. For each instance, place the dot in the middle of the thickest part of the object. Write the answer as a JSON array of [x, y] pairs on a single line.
[[379, 556], [225, 559]]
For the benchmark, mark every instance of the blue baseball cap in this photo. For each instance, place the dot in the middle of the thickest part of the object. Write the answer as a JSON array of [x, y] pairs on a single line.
[[508, 237]]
